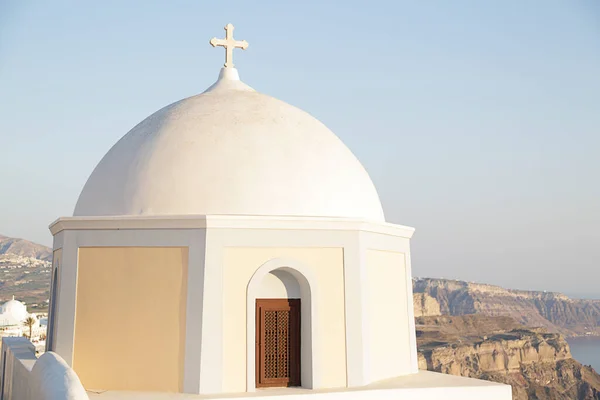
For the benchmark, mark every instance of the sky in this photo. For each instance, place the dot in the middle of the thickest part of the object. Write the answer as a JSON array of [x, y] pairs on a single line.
[[479, 122]]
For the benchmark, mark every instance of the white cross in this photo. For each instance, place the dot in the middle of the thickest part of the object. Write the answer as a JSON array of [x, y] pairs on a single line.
[[229, 43]]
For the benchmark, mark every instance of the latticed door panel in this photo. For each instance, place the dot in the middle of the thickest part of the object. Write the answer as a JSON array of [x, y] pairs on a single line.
[[278, 342]]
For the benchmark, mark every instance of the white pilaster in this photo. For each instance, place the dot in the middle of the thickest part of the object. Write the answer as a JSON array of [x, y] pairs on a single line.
[[67, 276], [356, 333], [412, 334], [194, 311], [211, 364]]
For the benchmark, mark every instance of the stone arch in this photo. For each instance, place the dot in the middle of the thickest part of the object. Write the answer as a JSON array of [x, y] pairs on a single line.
[[309, 365], [279, 284]]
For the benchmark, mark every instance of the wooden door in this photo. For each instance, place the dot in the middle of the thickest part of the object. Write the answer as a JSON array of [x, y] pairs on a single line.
[[277, 342]]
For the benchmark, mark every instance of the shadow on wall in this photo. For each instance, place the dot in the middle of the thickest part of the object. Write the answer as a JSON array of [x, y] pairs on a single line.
[[25, 377]]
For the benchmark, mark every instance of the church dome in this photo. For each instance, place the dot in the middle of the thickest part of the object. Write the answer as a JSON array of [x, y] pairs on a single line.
[[230, 151], [13, 312]]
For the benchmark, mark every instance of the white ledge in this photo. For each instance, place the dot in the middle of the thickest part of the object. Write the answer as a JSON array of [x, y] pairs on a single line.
[[227, 222], [423, 385]]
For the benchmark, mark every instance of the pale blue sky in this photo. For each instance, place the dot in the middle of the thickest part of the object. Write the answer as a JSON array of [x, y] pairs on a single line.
[[478, 121]]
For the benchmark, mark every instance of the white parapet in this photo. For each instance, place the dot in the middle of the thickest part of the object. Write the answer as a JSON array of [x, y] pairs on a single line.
[[25, 377], [424, 385]]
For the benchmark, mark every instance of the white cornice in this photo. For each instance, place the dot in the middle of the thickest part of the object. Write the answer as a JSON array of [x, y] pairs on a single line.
[[226, 222]]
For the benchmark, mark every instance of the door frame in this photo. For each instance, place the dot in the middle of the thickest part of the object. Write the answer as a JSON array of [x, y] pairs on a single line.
[[311, 372], [294, 306]]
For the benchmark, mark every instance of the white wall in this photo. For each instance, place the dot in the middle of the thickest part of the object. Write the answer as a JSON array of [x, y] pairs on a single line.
[[25, 377], [207, 238], [389, 328], [324, 363], [279, 285]]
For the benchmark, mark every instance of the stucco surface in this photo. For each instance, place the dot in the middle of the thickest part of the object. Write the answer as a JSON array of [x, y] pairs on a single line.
[[327, 264], [279, 285], [388, 315], [230, 151], [130, 318], [55, 380], [25, 377], [423, 385]]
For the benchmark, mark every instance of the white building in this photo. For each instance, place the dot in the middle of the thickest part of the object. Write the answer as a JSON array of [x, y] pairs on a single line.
[[13, 314], [260, 241]]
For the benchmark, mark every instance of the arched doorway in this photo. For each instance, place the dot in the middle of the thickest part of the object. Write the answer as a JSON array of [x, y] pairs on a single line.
[[278, 331], [283, 289]]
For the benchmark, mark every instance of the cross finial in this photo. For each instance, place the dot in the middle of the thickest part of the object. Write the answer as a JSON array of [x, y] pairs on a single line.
[[229, 43]]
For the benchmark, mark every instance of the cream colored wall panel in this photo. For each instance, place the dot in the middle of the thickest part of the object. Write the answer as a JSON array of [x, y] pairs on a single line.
[[240, 263], [131, 318], [388, 314]]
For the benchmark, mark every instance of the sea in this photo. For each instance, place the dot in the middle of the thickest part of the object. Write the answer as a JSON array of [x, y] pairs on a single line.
[[586, 350]]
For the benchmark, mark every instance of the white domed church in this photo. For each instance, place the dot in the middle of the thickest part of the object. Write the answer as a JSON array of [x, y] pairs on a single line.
[[13, 313], [230, 242]]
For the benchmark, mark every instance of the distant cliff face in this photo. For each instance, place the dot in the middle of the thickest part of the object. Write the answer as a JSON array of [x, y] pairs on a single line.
[[25, 248], [537, 364], [554, 311], [25, 272], [425, 305]]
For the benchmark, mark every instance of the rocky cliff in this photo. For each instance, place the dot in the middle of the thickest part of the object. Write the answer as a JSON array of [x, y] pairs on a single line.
[[554, 311], [425, 305], [24, 248], [536, 363]]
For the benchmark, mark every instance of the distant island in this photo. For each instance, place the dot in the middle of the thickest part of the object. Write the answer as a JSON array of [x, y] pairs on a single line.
[[554, 311], [536, 363], [508, 336]]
